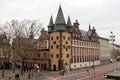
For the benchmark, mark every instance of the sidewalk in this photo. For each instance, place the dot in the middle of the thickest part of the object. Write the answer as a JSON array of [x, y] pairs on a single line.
[[77, 71], [9, 73]]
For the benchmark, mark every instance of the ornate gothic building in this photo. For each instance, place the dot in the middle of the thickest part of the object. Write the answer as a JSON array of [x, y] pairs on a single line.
[[64, 46], [70, 47]]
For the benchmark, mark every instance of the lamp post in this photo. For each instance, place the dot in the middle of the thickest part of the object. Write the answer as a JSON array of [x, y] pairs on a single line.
[[14, 61], [112, 39], [93, 66]]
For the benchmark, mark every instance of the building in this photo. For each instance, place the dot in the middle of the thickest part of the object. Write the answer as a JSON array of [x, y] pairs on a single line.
[[60, 42], [4, 50], [115, 51], [85, 47], [64, 47], [70, 47], [31, 52], [105, 54], [43, 50]]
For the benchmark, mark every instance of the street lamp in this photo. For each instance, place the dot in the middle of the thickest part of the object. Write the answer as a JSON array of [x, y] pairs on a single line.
[[112, 39], [93, 66], [14, 61]]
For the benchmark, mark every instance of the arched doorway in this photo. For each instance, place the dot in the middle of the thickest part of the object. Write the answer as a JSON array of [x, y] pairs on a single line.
[[45, 66], [54, 67], [42, 66]]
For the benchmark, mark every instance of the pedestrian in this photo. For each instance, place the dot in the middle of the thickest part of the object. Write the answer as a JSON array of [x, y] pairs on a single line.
[[17, 76], [9, 78], [29, 75]]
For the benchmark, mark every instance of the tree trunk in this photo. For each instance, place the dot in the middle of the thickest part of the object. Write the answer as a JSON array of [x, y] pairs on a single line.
[[22, 66]]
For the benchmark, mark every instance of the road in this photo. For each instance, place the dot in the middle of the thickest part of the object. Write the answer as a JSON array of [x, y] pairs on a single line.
[[72, 75], [99, 73]]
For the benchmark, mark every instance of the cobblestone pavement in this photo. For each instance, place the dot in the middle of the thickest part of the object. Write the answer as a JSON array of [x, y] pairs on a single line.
[[36, 76], [43, 75], [9, 73]]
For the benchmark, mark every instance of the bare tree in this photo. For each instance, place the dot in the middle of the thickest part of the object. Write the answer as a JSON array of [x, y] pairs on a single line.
[[17, 29], [21, 28]]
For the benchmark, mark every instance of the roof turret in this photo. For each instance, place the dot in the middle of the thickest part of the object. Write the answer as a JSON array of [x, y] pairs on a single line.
[[60, 17], [51, 21], [69, 21]]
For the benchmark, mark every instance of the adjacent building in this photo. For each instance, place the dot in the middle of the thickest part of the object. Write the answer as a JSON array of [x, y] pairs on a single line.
[[4, 50], [63, 46], [105, 54], [70, 47]]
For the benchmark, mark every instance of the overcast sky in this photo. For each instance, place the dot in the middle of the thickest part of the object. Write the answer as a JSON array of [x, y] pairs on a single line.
[[104, 15]]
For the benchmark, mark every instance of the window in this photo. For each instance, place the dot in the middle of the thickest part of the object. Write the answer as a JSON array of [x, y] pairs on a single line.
[[64, 37], [54, 42], [67, 55], [77, 59], [71, 60], [76, 35], [63, 46], [51, 55], [51, 46], [57, 37], [38, 55], [66, 63], [57, 55], [38, 47], [74, 59], [45, 55], [68, 38], [57, 46], [66, 42], [51, 38]]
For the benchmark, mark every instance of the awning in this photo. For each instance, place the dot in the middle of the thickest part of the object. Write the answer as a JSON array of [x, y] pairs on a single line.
[[36, 65]]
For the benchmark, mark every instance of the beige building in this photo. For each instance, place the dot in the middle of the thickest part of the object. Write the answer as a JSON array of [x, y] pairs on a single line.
[[60, 53], [71, 47], [105, 54], [60, 42]]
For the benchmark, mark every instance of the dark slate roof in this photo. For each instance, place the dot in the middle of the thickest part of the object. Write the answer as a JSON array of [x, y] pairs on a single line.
[[51, 22], [89, 33], [84, 35], [60, 17], [69, 21]]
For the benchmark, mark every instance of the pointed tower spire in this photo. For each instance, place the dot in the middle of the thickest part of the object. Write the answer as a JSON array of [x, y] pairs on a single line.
[[31, 31], [69, 21], [60, 17], [89, 27], [51, 21]]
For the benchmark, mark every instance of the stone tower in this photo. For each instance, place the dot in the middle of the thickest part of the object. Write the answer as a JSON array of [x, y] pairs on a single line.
[[60, 42]]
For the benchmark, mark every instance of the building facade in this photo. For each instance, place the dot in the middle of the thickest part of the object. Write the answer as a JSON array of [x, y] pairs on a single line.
[[4, 50], [43, 50], [63, 47], [105, 54], [115, 52], [85, 47], [60, 42], [70, 47]]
